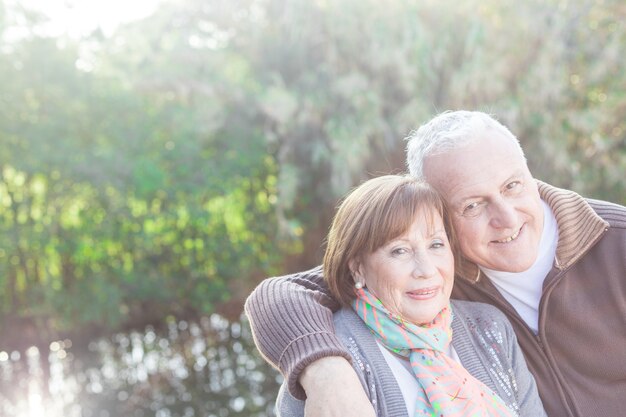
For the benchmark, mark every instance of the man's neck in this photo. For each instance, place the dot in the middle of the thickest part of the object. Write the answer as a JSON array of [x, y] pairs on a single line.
[[523, 289]]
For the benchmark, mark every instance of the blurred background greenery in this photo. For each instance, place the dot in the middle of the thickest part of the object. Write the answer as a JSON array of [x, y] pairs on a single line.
[[152, 174]]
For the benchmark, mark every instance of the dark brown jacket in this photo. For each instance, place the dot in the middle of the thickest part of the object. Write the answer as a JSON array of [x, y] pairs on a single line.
[[579, 356]]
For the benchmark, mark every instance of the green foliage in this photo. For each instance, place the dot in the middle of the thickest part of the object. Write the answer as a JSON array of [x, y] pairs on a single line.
[[168, 167], [122, 200]]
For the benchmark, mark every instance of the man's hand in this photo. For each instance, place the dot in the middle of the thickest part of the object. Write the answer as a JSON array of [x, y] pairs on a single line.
[[333, 389]]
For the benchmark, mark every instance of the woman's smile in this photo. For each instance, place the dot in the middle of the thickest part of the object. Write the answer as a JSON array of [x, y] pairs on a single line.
[[424, 293]]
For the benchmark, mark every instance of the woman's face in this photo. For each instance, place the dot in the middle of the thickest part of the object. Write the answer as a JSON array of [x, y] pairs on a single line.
[[413, 274]]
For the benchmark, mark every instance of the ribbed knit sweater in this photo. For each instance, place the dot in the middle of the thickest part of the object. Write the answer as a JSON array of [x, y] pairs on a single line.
[[482, 337]]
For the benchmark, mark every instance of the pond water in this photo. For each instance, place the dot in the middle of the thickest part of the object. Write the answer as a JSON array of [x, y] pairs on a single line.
[[208, 368]]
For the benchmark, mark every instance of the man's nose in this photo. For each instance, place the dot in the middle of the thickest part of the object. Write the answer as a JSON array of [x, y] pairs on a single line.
[[503, 214]]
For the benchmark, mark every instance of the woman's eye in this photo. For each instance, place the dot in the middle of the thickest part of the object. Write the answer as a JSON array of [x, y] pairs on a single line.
[[399, 251], [437, 245]]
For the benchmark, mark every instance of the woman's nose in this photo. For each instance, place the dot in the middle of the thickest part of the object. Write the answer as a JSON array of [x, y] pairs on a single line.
[[424, 266]]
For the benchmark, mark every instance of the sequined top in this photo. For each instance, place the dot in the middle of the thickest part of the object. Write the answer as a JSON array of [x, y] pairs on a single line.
[[483, 339]]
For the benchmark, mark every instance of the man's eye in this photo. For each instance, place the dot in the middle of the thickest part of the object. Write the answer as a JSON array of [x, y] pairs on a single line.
[[512, 185], [470, 207], [473, 209]]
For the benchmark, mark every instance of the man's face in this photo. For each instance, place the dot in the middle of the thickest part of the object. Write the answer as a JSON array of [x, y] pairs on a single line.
[[493, 200]]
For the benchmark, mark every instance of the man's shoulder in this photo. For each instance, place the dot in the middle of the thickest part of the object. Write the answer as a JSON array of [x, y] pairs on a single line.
[[614, 214], [573, 205]]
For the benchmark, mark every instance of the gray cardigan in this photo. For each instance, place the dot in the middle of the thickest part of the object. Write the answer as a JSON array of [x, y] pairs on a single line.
[[482, 337]]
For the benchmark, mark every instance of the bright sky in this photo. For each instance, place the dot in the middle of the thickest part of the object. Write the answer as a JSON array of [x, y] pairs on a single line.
[[81, 17]]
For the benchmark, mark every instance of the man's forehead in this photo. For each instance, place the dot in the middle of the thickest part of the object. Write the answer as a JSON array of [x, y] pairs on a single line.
[[460, 179], [489, 159], [467, 188]]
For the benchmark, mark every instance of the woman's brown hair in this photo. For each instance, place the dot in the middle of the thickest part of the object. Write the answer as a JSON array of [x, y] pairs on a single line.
[[373, 214]]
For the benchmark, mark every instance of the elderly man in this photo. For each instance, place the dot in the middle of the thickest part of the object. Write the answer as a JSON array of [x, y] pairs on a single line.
[[552, 261]]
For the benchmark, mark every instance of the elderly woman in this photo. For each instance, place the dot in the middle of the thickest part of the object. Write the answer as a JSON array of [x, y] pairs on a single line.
[[389, 261]]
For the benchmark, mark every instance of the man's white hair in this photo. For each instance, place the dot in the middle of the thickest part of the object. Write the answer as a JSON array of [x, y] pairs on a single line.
[[448, 131]]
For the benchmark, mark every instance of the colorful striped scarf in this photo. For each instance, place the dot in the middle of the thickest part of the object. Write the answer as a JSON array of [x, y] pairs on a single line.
[[447, 388]]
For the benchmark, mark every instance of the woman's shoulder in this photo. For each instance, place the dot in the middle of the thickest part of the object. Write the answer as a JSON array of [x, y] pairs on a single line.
[[475, 313], [348, 323]]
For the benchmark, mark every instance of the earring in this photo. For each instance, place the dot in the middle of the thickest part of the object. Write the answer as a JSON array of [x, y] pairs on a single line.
[[358, 285]]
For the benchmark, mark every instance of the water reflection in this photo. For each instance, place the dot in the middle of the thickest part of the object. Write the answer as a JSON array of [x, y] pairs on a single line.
[[204, 368]]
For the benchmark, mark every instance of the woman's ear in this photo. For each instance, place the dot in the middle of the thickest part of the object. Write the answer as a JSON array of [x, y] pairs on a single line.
[[355, 271]]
